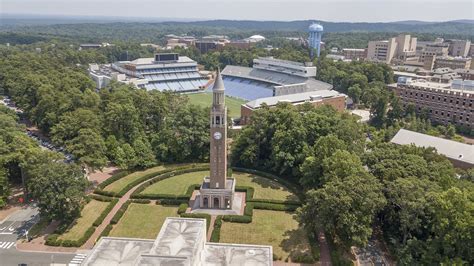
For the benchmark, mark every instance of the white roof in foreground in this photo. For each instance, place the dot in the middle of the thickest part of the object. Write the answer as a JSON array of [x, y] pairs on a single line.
[[451, 149], [294, 98], [181, 242]]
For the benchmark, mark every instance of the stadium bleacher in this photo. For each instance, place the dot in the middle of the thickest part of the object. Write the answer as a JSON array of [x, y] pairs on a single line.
[[246, 89]]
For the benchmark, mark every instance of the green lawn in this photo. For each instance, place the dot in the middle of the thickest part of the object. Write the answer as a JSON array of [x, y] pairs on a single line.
[[275, 228], [118, 185], [89, 214], [205, 99], [143, 220], [264, 187], [176, 185]]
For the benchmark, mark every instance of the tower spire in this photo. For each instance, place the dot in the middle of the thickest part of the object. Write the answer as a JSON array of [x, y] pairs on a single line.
[[218, 82]]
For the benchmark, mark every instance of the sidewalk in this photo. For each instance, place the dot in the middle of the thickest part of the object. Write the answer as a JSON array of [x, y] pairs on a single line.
[[38, 244]]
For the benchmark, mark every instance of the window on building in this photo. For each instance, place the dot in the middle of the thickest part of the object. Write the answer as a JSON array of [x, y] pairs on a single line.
[[218, 120]]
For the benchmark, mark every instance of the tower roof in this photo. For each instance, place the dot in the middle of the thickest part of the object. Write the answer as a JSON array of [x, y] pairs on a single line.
[[218, 82]]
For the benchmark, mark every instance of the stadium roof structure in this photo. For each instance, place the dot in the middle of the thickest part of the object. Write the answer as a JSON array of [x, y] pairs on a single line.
[[181, 242], [294, 98], [453, 150], [273, 77]]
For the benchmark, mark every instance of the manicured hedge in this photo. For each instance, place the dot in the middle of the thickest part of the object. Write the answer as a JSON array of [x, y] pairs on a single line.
[[216, 232], [182, 208], [200, 216], [53, 239], [249, 191], [120, 213], [106, 193], [106, 231], [284, 202], [100, 198], [274, 206], [246, 218], [107, 210], [141, 201], [172, 202], [112, 179]]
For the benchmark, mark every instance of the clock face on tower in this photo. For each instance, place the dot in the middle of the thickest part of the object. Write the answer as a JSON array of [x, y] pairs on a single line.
[[217, 135]]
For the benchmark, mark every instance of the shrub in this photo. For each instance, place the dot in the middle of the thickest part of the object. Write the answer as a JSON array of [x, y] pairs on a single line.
[[106, 193], [237, 218], [113, 178], [284, 202], [199, 216], [106, 231], [100, 198], [52, 240], [120, 213], [107, 210], [171, 202], [274, 206], [302, 257], [249, 191], [182, 208], [141, 201], [216, 233]]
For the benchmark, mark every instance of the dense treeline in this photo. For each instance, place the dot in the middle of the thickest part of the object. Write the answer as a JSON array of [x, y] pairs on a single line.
[[130, 127], [58, 187], [352, 185]]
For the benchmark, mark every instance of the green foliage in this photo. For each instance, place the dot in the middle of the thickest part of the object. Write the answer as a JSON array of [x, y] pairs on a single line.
[[345, 207], [58, 188], [182, 208], [107, 210], [216, 232], [141, 201], [120, 213]]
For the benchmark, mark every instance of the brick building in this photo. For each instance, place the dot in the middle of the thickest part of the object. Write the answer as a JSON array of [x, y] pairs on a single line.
[[444, 103]]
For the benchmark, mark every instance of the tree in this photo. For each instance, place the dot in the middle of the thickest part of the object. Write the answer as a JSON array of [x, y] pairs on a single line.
[[58, 188], [340, 165], [311, 169], [344, 208], [355, 92], [4, 187], [143, 153], [89, 147]]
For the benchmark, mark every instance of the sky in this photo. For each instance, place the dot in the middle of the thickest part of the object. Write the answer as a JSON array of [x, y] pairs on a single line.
[[327, 10]]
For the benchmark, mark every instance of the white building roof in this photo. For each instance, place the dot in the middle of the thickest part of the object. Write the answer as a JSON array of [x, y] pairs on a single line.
[[294, 98], [181, 241], [452, 149]]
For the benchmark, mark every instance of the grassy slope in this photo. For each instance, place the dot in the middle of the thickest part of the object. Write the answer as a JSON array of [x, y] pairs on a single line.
[[89, 214], [121, 183], [143, 221], [205, 100], [275, 228], [176, 185]]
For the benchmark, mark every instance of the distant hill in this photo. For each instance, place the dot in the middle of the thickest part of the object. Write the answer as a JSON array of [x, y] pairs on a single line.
[[465, 27]]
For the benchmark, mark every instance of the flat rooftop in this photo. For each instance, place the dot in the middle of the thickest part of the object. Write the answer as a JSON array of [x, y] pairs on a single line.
[[181, 241], [294, 98], [151, 61], [452, 149]]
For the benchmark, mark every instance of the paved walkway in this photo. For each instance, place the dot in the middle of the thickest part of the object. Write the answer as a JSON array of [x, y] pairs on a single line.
[[91, 242], [38, 244], [211, 227], [325, 255]]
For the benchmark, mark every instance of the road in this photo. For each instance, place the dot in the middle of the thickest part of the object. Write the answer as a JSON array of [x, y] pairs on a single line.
[[14, 227]]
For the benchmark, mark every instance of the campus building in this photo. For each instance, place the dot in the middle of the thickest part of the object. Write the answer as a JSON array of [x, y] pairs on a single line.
[[453, 62], [315, 98], [460, 154], [459, 47], [180, 242], [354, 54], [400, 48], [443, 102], [271, 77], [164, 72]]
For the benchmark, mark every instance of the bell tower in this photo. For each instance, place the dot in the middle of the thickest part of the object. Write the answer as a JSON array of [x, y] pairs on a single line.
[[218, 140]]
